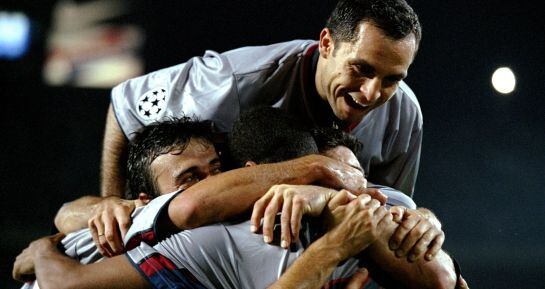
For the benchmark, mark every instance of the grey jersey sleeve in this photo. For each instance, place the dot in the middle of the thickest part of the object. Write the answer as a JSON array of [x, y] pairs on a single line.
[[203, 87], [392, 138]]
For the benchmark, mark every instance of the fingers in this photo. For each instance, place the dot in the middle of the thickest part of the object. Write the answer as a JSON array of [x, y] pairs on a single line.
[[397, 212], [462, 284], [416, 236], [358, 280], [362, 200], [401, 232], [124, 222], [285, 219], [436, 245], [112, 235], [259, 210], [412, 238], [421, 244], [57, 237], [377, 194], [269, 217], [297, 212], [94, 225], [343, 197]]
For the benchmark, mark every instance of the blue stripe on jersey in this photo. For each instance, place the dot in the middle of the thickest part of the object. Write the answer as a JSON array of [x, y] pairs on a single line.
[[161, 273]]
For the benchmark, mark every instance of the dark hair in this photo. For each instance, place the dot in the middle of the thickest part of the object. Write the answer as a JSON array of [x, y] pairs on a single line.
[[157, 139], [268, 135], [327, 138], [395, 17]]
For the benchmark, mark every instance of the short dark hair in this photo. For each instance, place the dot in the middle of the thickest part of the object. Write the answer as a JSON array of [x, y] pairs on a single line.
[[269, 135], [157, 139], [328, 138], [395, 17]]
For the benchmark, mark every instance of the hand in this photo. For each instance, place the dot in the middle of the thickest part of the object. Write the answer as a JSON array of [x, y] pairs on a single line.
[[356, 225], [462, 284], [358, 280], [419, 232], [23, 268], [110, 224], [342, 176], [295, 201]]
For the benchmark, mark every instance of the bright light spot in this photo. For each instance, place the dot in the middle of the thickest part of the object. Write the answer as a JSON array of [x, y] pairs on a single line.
[[14, 34], [504, 80]]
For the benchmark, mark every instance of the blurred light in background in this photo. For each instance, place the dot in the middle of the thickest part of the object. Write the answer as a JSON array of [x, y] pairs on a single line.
[[87, 48], [504, 80], [14, 34]]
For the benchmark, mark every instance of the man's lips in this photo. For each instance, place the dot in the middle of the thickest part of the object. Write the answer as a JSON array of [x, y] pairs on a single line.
[[353, 102]]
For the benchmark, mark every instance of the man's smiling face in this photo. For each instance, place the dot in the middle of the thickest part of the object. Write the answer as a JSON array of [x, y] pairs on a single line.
[[356, 77]]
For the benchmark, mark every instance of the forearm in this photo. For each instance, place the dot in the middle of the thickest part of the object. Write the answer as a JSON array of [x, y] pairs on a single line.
[[54, 270], [73, 216], [57, 271], [313, 268], [232, 193], [437, 273], [114, 158]]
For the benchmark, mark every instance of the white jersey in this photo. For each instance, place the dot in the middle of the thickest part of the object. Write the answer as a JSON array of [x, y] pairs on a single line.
[[80, 246], [219, 86], [228, 255]]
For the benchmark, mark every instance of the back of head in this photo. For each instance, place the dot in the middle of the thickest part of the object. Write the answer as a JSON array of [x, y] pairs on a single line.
[[395, 17], [157, 139], [268, 135], [328, 138]]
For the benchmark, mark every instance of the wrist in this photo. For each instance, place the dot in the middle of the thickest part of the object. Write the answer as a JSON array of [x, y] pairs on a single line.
[[329, 245]]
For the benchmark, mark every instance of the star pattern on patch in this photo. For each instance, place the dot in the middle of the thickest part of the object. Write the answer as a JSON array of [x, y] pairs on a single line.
[[152, 104]]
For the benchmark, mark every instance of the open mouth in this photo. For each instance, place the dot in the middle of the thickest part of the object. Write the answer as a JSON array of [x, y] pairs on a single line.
[[354, 103]]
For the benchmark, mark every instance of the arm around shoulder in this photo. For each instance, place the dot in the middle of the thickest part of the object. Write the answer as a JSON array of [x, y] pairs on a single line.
[[114, 158]]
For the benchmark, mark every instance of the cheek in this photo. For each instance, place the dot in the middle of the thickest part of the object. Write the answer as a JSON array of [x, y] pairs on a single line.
[[388, 93]]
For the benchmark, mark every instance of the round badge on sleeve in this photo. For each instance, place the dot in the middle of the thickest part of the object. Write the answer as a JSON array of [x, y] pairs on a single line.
[[153, 103]]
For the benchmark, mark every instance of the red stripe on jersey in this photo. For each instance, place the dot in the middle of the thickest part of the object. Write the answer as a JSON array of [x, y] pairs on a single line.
[[147, 237], [155, 263]]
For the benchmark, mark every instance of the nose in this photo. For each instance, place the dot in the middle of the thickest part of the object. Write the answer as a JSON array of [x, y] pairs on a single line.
[[370, 90], [204, 172]]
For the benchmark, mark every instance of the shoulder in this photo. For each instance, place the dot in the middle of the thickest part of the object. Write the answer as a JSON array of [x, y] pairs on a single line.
[[410, 102], [252, 58], [403, 109]]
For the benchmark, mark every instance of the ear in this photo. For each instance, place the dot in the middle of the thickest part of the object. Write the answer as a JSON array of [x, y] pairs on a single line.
[[326, 44], [250, 164], [144, 198]]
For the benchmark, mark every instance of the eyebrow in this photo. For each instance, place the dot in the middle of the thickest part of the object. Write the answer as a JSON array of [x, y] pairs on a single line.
[[370, 67], [193, 168]]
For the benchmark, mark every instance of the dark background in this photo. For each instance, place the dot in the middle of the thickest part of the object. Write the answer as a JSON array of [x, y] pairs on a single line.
[[483, 161]]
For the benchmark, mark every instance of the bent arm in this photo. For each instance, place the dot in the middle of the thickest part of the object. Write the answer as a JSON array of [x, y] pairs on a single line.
[[234, 192], [54, 270], [114, 158], [74, 216], [437, 273], [313, 268]]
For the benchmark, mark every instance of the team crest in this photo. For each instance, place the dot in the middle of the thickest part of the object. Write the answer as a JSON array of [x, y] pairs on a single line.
[[152, 104]]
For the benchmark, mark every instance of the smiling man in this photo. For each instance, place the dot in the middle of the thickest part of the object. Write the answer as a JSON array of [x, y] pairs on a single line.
[[350, 78]]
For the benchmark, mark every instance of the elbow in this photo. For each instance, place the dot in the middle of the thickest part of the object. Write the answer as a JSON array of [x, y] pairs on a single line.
[[184, 213], [61, 223], [445, 281]]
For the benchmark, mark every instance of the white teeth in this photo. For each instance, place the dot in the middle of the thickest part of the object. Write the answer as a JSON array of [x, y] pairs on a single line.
[[356, 101]]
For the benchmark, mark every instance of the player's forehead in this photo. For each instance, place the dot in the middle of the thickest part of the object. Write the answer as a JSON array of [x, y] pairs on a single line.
[[197, 152], [344, 155]]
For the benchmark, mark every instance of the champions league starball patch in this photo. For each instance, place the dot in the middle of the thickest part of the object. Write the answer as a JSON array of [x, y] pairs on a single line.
[[152, 104]]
